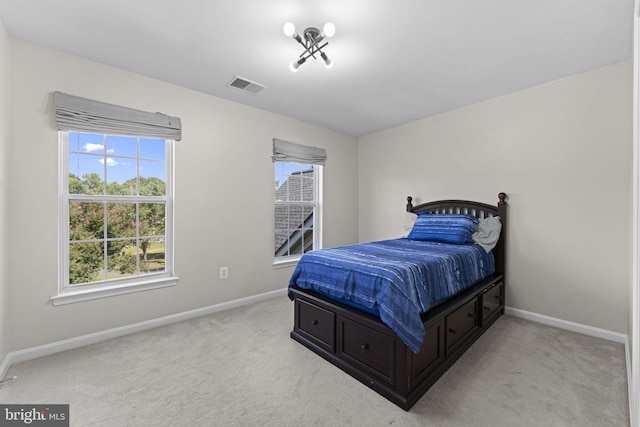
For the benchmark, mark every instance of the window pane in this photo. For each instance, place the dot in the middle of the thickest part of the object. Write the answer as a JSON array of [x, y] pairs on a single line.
[[152, 178], [293, 230], [121, 259], [296, 217], [122, 176], [294, 249], [120, 146], [306, 184], [86, 174], [281, 229], [294, 182], [86, 221], [86, 262], [152, 219], [152, 149], [86, 143], [152, 255], [306, 231], [121, 220]]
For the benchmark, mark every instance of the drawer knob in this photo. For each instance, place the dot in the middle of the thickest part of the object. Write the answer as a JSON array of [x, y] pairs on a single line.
[[314, 322], [487, 308], [452, 331], [472, 315], [364, 347]]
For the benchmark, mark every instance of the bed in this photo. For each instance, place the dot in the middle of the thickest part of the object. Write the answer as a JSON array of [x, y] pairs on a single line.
[[358, 328]]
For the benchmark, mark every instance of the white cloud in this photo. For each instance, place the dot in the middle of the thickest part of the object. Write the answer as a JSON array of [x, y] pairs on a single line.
[[93, 147], [89, 148], [110, 161]]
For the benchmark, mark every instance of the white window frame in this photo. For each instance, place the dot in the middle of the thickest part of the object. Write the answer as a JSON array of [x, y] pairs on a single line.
[[74, 293], [286, 261]]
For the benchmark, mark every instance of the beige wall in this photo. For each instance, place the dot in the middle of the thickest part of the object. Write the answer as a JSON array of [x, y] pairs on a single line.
[[223, 202], [564, 146], [562, 152], [4, 187]]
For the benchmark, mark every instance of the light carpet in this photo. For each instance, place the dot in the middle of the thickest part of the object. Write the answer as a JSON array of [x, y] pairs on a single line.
[[240, 368]]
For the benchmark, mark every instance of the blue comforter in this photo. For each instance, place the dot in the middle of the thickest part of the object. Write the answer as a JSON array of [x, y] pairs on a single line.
[[398, 279]]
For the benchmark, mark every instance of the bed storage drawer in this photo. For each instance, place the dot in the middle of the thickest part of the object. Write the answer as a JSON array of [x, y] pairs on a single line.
[[492, 301], [431, 353], [461, 322], [370, 350], [316, 324]]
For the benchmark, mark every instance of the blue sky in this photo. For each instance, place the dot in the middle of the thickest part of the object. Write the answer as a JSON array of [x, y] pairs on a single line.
[[88, 153]]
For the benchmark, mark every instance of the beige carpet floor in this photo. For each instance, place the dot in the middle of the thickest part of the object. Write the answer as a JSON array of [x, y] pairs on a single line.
[[240, 368]]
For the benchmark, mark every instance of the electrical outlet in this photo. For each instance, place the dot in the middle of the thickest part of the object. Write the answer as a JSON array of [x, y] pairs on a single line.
[[224, 272]]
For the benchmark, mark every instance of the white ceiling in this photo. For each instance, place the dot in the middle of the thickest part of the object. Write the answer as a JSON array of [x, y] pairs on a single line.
[[394, 61]]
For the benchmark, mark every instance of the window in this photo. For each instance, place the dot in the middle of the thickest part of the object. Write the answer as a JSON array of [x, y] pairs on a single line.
[[298, 200], [116, 202], [116, 208], [296, 209]]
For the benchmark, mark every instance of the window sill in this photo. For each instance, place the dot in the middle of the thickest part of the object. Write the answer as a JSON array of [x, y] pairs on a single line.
[[289, 262], [72, 296]]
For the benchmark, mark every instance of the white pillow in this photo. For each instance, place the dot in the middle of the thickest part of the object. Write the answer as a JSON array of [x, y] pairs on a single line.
[[487, 233], [409, 220]]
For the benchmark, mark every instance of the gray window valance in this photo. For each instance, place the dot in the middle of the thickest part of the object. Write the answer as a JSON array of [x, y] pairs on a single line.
[[85, 115], [285, 151]]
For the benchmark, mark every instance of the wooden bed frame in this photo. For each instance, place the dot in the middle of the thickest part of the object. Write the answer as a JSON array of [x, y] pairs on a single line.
[[368, 350]]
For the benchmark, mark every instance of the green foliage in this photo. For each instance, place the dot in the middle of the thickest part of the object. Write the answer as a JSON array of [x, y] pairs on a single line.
[[123, 263], [86, 220], [76, 186], [92, 183], [152, 186], [87, 224], [85, 262]]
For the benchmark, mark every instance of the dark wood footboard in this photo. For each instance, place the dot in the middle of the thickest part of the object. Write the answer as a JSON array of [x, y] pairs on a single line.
[[368, 350]]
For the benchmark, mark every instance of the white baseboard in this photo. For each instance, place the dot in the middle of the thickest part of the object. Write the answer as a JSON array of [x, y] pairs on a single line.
[[564, 324], [4, 367], [56, 347]]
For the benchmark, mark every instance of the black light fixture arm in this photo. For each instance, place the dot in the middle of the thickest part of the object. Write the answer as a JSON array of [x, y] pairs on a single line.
[[312, 50], [310, 40]]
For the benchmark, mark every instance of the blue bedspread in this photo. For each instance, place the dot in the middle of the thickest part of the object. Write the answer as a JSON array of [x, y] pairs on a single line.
[[399, 279]]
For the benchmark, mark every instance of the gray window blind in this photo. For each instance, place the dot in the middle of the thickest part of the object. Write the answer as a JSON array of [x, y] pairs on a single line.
[[285, 151], [85, 115]]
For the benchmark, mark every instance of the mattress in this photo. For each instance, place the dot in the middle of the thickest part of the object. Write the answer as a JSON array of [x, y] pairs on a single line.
[[397, 279]]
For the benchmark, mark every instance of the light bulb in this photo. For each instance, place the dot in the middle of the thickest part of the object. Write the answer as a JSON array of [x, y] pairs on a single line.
[[289, 29], [327, 61], [295, 64], [329, 30]]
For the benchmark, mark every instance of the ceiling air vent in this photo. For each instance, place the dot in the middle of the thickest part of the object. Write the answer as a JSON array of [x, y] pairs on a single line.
[[246, 85]]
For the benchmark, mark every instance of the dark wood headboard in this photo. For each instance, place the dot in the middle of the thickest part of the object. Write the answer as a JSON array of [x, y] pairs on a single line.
[[477, 209]]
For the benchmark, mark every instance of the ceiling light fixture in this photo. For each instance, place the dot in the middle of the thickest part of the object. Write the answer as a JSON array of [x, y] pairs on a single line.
[[311, 40]]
